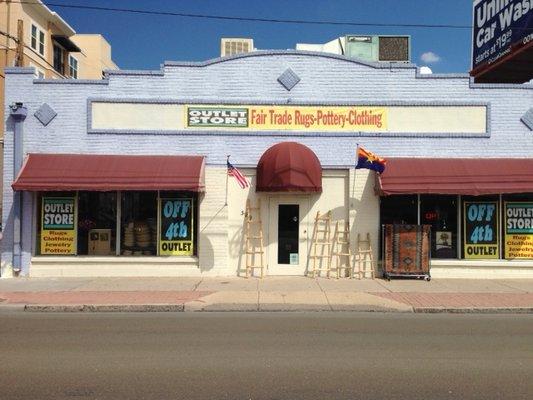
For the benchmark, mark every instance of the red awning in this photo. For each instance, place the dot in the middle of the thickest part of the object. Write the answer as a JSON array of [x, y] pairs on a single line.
[[59, 172], [289, 167], [457, 176]]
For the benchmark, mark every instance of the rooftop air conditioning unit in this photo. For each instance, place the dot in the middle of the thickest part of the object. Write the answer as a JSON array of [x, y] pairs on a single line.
[[232, 46], [378, 48]]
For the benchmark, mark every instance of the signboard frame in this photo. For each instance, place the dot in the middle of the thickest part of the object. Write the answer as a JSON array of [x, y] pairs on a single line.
[[297, 118], [481, 230], [74, 229], [160, 225], [528, 241], [406, 119], [500, 44]]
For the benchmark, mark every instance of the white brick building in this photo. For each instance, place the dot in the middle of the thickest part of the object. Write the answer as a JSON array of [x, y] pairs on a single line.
[[194, 109]]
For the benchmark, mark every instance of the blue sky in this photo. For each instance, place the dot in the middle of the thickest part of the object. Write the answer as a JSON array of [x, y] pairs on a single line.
[[144, 41]]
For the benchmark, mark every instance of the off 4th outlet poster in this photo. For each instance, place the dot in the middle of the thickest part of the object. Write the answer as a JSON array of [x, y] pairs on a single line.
[[176, 229], [481, 227]]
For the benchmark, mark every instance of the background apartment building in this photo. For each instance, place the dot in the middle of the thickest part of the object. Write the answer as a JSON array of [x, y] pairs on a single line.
[[32, 35]]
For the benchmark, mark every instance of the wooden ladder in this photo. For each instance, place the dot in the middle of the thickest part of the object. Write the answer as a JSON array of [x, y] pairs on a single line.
[[365, 257], [321, 245], [255, 251], [342, 252]]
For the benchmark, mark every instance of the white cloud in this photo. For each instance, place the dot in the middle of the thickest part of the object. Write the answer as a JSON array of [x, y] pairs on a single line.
[[429, 57]]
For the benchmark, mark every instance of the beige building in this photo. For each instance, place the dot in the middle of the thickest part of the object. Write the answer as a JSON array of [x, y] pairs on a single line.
[[95, 56], [32, 35]]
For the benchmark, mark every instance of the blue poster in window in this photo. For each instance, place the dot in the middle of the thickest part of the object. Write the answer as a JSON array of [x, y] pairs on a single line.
[[481, 230], [176, 227]]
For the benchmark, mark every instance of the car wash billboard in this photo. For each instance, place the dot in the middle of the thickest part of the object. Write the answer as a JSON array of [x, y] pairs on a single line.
[[501, 27]]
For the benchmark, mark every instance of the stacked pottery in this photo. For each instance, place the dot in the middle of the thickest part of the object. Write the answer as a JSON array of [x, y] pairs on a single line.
[[143, 239], [152, 223], [129, 239]]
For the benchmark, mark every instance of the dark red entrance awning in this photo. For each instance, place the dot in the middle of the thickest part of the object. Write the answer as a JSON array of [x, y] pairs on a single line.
[[457, 176], [59, 172], [289, 167]]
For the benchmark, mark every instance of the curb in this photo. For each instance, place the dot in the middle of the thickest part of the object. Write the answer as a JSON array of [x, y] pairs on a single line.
[[105, 308], [473, 310], [88, 308], [94, 308], [11, 307]]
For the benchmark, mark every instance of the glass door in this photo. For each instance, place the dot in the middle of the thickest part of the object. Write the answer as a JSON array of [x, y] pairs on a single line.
[[288, 233], [287, 250]]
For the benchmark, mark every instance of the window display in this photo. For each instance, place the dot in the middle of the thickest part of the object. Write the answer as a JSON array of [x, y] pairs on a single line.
[[139, 224], [479, 218], [85, 223], [97, 223], [401, 209], [441, 213]]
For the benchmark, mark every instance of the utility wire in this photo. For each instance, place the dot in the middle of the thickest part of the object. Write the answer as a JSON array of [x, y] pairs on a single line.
[[2, 33], [250, 19]]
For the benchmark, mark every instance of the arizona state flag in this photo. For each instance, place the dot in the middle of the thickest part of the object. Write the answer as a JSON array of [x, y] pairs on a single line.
[[367, 159]]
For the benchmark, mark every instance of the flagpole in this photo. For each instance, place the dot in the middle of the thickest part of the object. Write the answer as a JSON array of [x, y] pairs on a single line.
[[355, 169], [227, 162]]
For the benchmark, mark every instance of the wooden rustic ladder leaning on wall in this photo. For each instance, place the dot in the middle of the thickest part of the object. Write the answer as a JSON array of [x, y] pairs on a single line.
[[255, 250], [321, 245], [365, 257], [342, 253]]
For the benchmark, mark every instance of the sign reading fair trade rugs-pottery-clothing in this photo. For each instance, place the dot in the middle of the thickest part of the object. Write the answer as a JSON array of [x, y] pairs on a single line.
[[518, 230], [176, 229], [481, 227], [58, 223]]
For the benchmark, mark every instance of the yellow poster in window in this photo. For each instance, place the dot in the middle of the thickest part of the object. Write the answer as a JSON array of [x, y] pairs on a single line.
[[518, 230], [481, 230], [58, 227], [176, 228]]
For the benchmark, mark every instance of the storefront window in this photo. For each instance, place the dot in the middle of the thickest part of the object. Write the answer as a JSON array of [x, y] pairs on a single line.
[[139, 224], [441, 213], [85, 223], [481, 228], [399, 209], [97, 223]]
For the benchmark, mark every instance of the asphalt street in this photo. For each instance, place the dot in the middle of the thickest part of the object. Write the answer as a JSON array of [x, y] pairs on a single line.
[[265, 356]]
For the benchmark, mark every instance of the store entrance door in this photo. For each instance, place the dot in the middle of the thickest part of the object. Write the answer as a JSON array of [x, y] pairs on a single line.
[[288, 233]]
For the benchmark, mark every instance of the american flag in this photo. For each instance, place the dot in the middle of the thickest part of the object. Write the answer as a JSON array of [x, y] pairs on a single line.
[[239, 177]]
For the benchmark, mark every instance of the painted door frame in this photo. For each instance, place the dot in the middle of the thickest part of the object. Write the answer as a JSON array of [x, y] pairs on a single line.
[[303, 202]]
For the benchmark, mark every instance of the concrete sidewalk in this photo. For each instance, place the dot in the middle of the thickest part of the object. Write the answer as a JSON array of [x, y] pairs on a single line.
[[269, 294]]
